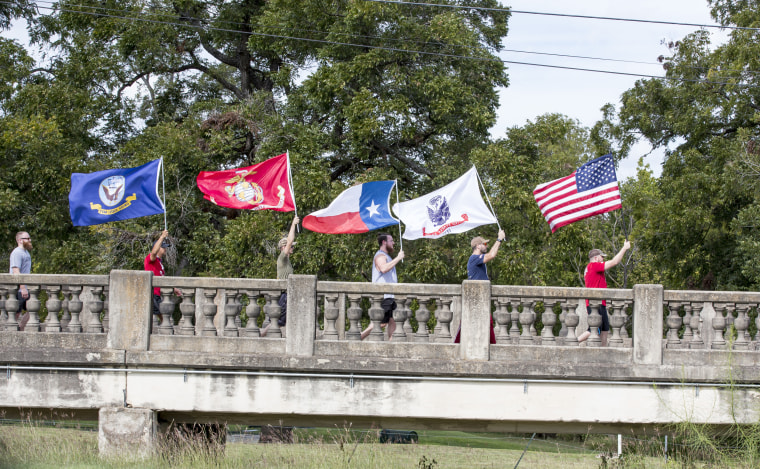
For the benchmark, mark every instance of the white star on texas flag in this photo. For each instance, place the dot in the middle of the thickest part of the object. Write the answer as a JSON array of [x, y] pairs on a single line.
[[373, 209]]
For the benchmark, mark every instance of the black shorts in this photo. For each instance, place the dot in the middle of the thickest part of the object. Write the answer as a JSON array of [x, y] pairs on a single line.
[[388, 305], [605, 317]]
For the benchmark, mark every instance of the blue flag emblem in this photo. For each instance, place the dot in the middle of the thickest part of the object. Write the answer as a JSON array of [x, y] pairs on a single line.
[[115, 194]]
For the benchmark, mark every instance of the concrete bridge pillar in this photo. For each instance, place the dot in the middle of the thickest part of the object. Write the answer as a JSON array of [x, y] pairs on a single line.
[[476, 311], [302, 320], [647, 324], [126, 433], [130, 309]]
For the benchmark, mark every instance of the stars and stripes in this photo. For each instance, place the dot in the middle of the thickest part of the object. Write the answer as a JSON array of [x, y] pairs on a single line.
[[590, 190]]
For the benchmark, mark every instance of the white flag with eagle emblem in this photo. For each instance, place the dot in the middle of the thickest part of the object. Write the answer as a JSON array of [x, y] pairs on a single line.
[[454, 208]]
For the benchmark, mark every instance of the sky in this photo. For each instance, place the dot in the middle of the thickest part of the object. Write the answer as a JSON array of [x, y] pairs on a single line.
[[534, 91]]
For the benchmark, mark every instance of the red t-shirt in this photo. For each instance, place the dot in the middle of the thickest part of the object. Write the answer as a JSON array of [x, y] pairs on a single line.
[[157, 268], [594, 277]]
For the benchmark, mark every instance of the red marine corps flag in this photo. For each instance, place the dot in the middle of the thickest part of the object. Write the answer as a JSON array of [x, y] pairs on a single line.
[[263, 186]]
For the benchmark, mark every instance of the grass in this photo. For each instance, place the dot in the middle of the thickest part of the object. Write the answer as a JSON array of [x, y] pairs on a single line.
[[29, 446]]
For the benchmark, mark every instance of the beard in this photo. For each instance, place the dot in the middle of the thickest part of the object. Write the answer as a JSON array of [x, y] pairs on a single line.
[[389, 249], [27, 245]]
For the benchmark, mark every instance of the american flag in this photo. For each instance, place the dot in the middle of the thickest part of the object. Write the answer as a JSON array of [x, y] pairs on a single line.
[[590, 190]]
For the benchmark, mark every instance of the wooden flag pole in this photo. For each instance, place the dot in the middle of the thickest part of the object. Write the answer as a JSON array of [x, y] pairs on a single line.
[[487, 198], [400, 239]]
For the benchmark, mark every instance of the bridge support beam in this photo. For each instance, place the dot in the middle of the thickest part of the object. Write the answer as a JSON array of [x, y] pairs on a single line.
[[126, 433]]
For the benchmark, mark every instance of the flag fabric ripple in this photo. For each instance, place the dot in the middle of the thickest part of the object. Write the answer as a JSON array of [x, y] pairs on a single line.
[[358, 209], [590, 190], [115, 194], [454, 208], [263, 186]]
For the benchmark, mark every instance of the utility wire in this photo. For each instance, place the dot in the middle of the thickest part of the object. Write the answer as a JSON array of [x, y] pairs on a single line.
[[391, 49], [563, 15]]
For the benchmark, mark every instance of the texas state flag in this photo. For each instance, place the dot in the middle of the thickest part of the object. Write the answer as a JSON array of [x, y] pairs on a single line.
[[358, 209]]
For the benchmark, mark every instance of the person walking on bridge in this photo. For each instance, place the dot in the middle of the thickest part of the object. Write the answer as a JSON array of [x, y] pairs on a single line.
[[476, 268], [384, 271], [284, 269], [21, 263], [152, 263], [594, 277]]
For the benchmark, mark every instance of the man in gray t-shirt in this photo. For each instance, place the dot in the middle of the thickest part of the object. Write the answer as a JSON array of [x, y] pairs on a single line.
[[21, 263], [284, 269]]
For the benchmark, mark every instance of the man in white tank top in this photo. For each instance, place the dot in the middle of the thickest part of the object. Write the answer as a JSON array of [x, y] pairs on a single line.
[[384, 271]]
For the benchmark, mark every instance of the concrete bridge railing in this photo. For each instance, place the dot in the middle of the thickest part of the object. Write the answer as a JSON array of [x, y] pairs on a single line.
[[93, 347]]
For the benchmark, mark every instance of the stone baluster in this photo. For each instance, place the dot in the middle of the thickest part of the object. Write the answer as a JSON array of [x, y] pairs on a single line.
[[95, 306], [741, 323], [728, 331], [238, 319], [53, 305], [696, 318], [11, 306], [502, 317], [166, 308], [533, 331], [3, 311], [331, 315], [444, 316], [252, 310], [594, 323], [757, 325], [627, 317], [514, 318], [187, 309], [273, 310], [105, 309], [232, 309], [400, 316], [209, 311], [33, 308], [718, 325], [549, 318], [408, 329], [526, 318], [354, 314], [423, 315], [674, 322], [617, 319], [65, 315], [571, 321], [75, 307], [563, 325], [376, 315], [688, 334]]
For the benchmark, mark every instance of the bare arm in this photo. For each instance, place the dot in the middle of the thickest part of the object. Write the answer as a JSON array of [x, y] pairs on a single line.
[[495, 249], [22, 288], [292, 233], [157, 245], [618, 257], [384, 266]]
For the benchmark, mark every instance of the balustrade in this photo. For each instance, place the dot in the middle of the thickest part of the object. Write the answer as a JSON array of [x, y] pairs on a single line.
[[523, 316]]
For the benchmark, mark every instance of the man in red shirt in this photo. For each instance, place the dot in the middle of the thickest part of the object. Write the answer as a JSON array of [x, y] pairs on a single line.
[[153, 264], [594, 278]]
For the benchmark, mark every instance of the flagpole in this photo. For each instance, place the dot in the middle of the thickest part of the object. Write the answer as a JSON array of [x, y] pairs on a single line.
[[292, 192], [163, 187], [400, 239], [487, 198]]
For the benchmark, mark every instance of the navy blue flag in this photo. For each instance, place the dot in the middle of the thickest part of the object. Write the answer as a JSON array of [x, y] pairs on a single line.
[[115, 194]]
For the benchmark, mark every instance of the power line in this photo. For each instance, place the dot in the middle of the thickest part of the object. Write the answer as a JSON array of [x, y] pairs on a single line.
[[563, 15], [391, 49]]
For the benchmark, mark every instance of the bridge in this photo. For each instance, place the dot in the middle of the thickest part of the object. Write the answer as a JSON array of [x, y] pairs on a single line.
[[93, 350]]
